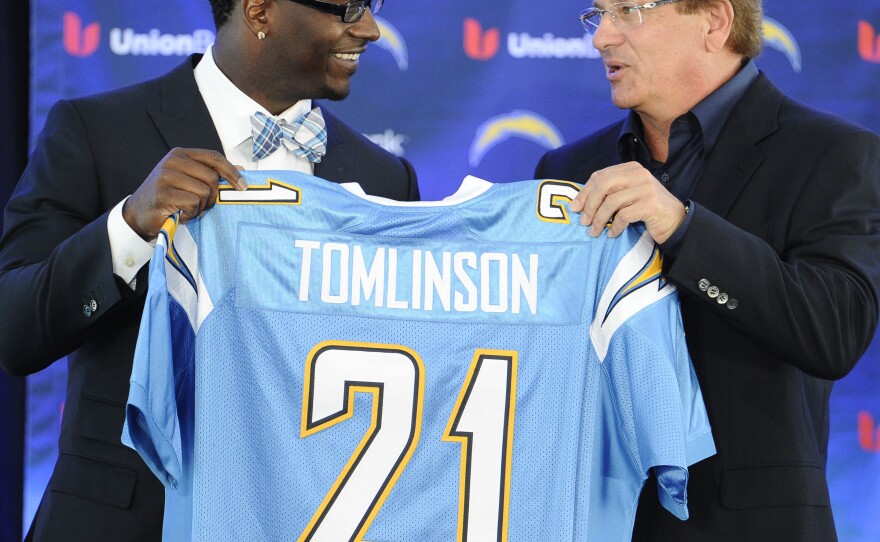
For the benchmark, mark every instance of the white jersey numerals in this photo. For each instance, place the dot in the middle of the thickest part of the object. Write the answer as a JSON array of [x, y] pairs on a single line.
[[396, 378], [481, 422]]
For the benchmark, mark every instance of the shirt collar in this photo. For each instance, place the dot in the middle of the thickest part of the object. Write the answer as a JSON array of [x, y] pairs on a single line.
[[230, 108], [713, 111], [711, 114], [631, 142]]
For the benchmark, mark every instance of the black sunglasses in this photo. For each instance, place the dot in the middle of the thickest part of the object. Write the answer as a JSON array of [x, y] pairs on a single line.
[[350, 12]]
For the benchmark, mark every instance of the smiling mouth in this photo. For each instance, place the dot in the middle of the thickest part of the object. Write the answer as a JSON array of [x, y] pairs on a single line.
[[351, 57]]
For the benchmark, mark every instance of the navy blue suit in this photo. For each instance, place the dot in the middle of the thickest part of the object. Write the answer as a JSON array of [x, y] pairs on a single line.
[[55, 259], [787, 227]]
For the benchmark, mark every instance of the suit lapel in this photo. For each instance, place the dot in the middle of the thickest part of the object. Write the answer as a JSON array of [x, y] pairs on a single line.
[[736, 156], [182, 116], [338, 164]]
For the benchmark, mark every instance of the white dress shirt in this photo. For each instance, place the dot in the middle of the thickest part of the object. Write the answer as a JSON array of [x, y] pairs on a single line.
[[230, 109]]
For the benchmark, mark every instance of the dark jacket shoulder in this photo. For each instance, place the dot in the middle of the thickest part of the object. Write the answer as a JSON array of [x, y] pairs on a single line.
[[577, 160]]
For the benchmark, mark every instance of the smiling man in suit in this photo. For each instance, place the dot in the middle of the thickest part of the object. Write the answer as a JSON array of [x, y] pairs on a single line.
[[768, 217], [108, 170]]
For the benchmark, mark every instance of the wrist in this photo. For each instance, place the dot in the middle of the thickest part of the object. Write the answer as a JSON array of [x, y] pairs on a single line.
[[130, 218]]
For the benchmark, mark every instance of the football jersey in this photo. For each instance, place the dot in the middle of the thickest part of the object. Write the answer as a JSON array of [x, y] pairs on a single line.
[[314, 364]]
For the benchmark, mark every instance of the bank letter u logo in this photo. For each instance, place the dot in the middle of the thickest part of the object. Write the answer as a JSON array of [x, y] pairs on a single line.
[[869, 433], [869, 43], [79, 41], [480, 45]]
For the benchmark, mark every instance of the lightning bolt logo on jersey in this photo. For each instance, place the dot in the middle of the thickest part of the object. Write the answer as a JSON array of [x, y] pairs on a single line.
[[342, 368]]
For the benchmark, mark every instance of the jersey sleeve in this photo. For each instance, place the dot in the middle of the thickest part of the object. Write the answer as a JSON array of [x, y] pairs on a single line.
[[671, 422], [639, 338], [158, 419]]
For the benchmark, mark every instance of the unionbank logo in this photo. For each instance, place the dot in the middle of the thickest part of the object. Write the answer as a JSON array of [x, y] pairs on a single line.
[[79, 41], [869, 433], [524, 45], [126, 41], [778, 37], [392, 41], [521, 124], [84, 41], [869, 43], [482, 44]]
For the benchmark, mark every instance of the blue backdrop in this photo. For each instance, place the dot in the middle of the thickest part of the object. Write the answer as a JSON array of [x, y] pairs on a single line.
[[483, 88]]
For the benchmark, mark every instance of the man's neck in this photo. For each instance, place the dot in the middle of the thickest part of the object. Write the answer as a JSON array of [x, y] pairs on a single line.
[[245, 74], [657, 123]]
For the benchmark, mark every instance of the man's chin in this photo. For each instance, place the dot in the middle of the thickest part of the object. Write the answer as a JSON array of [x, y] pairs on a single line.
[[335, 94], [620, 101]]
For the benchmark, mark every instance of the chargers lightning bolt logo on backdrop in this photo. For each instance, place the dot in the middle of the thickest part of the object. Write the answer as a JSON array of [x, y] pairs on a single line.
[[392, 41], [523, 124], [869, 43], [479, 44], [79, 41], [778, 37]]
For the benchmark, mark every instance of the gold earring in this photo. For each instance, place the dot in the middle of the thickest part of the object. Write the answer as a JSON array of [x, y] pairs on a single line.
[[261, 35]]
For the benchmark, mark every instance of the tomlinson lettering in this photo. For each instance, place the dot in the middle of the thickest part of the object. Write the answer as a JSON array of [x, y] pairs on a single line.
[[424, 280]]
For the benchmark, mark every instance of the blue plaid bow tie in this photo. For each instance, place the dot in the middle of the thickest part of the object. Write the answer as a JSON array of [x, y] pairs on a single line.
[[306, 136]]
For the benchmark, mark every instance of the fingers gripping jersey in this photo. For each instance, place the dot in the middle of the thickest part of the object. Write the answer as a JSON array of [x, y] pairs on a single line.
[[313, 365]]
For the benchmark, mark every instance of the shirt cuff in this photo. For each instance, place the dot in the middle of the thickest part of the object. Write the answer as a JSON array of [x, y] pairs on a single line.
[[672, 245], [128, 250]]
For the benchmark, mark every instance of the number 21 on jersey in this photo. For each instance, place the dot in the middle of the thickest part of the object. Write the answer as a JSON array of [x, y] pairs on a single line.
[[481, 422]]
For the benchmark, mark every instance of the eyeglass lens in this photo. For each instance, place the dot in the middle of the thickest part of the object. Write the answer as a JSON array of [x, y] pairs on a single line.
[[355, 10], [624, 14]]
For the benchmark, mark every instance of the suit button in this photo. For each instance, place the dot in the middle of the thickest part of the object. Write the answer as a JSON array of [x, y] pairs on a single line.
[[732, 304], [93, 305], [713, 292], [722, 298], [703, 285], [87, 310]]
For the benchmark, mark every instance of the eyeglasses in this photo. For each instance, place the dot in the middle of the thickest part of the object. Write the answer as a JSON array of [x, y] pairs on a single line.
[[350, 12], [624, 15]]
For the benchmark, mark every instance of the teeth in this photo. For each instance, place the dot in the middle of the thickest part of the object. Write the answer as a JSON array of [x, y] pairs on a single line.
[[347, 56]]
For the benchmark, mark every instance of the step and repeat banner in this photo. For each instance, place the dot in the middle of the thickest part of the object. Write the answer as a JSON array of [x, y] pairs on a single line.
[[481, 88]]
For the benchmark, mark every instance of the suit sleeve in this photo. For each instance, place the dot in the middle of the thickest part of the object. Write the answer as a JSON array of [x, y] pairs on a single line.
[[808, 293], [56, 276]]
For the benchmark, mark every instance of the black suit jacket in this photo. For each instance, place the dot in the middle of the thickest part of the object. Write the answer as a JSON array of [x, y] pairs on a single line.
[[787, 224], [55, 261]]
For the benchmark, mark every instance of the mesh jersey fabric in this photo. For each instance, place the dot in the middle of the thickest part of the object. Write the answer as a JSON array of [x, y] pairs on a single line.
[[317, 365]]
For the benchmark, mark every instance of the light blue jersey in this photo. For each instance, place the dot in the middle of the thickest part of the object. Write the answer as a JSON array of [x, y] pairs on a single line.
[[313, 365]]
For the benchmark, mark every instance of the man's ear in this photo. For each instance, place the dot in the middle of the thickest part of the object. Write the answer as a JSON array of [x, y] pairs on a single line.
[[719, 24], [255, 16]]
